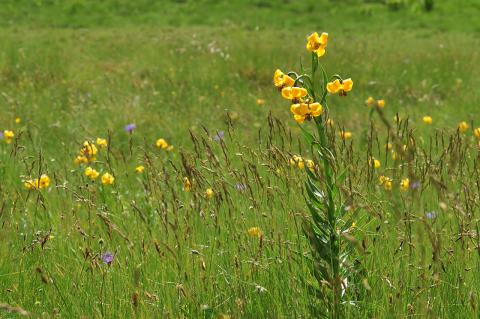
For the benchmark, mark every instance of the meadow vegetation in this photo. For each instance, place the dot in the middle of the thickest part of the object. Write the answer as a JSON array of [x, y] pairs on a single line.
[[174, 173]]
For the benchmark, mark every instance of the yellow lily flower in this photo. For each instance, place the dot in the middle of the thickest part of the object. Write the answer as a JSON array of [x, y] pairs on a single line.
[[293, 93], [282, 80], [317, 43], [302, 111], [340, 86]]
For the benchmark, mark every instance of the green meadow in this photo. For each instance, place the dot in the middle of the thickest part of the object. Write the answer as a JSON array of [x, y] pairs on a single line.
[[214, 227]]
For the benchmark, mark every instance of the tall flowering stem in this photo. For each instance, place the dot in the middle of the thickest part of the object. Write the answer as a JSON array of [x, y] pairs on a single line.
[[330, 226]]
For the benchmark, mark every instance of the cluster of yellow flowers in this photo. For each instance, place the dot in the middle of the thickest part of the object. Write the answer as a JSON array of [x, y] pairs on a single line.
[[107, 178], [303, 106], [371, 102], [300, 162], [161, 143], [87, 153], [8, 136], [42, 182], [387, 183], [187, 187], [463, 127]]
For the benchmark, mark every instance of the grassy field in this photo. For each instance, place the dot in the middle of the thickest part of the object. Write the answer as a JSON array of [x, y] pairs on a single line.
[[192, 73]]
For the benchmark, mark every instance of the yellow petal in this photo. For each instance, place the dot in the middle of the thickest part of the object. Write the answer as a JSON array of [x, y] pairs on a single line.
[[313, 41], [334, 87], [315, 109], [278, 78], [299, 118], [320, 51], [299, 109], [347, 85], [288, 93], [298, 92], [288, 81], [323, 39]]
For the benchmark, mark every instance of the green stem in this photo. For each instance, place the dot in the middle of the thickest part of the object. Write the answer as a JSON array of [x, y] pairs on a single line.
[[334, 245]]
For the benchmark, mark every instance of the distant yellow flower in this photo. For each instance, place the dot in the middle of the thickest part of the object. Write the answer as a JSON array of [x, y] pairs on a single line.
[[209, 193], [427, 120], [381, 179], [91, 173], [101, 142], [370, 101], [107, 179], [381, 104], [139, 169], [8, 136], [255, 232], [330, 122], [396, 118], [388, 146], [388, 185], [345, 135], [187, 185], [352, 227], [18, 120], [386, 182], [80, 160], [394, 155], [310, 164], [30, 184], [298, 161], [293, 93], [404, 184], [42, 182], [260, 101], [375, 163], [282, 80], [305, 111], [301, 164], [317, 43], [462, 127], [337, 86], [89, 151], [162, 143], [476, 132]]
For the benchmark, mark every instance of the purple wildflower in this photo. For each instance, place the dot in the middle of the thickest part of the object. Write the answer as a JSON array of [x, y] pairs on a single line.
[[240, 187], [219, 136], [130, 127], [1, 134], [431, 215], [415, 185], [108, 257]]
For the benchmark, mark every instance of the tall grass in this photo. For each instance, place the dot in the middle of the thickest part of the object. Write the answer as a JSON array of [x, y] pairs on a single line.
[[185, 254]]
